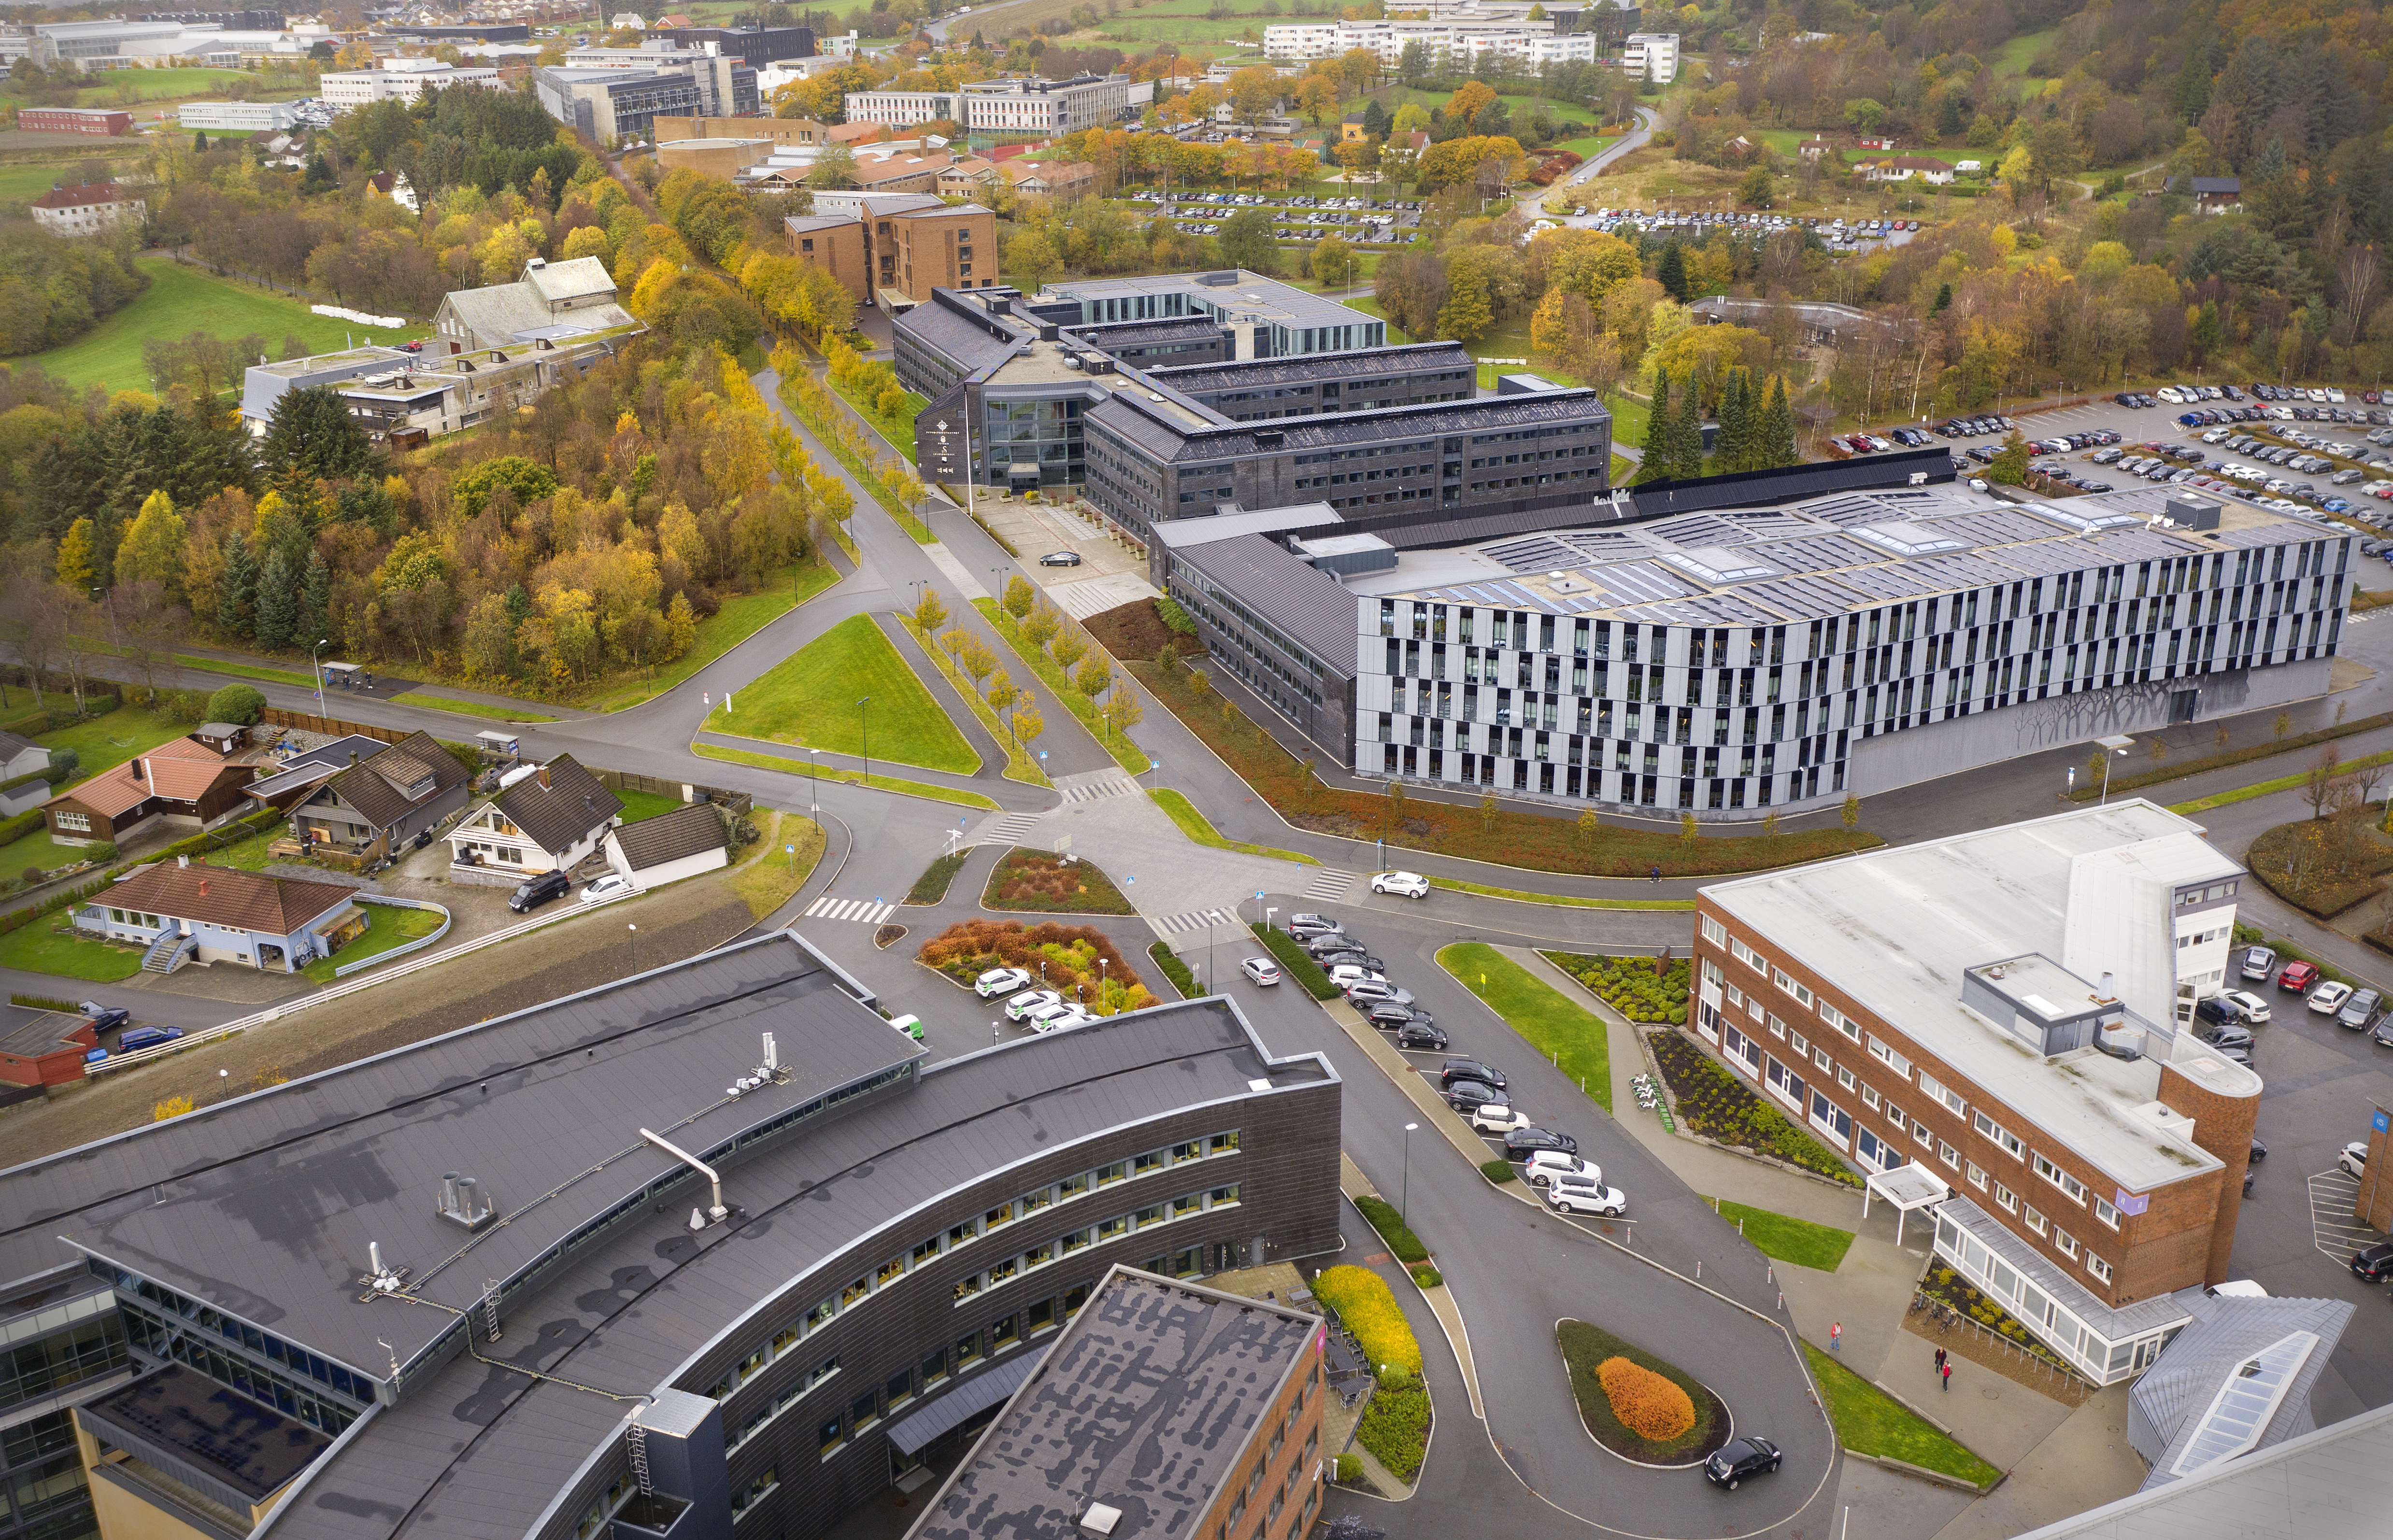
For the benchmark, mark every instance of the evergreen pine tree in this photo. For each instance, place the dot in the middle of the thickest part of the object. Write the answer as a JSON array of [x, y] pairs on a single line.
[[1655, 463], [278, 603], [314, 603], [1735, 448], [1777, 445], [1690, 438], [1671, 273], [200, 143], [237, 589]]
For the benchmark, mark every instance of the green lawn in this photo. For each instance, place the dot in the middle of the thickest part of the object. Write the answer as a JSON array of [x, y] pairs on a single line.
[[1562, 900], [1787, 1238], [23, 183], [246, 671], [898, 430], [37, 849], [1198, 827], [1589, 148], [2014, 55], [1629, 419], [1870, 1422], [392, 926], [181, 300], [737, 620], [107, 741], [804, 771], [1127, 754], [1559, 1029], [476, 708], [811, 698], [639, 806], [40, 949]]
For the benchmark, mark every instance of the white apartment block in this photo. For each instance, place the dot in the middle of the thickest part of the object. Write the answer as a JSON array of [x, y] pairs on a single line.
[[1455, 39], [91, 209], [1651, 55], [238, 117], [348, 88], [1032, 105], [899, 108]]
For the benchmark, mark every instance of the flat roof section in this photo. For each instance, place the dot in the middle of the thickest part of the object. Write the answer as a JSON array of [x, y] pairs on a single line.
[[1234, 292], [1312, 608], [1358, 364], [1146, 1404], [210, 1429]]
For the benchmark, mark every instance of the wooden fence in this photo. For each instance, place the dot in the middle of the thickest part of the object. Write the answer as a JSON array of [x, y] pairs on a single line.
[[616, 780], [308, 722]]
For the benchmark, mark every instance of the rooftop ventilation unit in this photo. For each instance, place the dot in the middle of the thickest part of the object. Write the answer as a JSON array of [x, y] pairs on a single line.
[[1100, 1519], [1906, 539], [462, 1202]]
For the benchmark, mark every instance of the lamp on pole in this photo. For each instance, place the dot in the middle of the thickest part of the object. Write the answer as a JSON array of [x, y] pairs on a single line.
[[1404, 1193], [316, 661], [634, 943], [864, 728], [2118, 745], [814, 784]]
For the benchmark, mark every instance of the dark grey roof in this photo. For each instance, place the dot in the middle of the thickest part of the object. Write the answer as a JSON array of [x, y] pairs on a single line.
[[1129, 333], [687, 831], [311, 765], [2175, 1393], [978, 1393], [561, 803], [29, 1031], [372, 794], [2231, 185], [199, 1429], [1126, 414], [1362, 364], [1788, 483], [1312, 608], [11, 746], [959, 330], [1146, 1403], [471, 1455]]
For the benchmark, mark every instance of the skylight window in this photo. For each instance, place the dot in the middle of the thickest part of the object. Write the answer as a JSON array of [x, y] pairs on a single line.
[[2241, 1411]]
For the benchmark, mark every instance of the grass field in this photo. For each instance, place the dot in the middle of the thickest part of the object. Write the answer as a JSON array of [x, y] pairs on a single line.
[[476, 708], [392, 926], [145, 86], [803, 771], [23, 182], [1588, 147], [737, 620], [1788, 1239], [41, 948], [810, 699], [180, 301], [1198, 827], [2014, 55], [105, 742], [37, 849], [1871, 1422], [1562, 1031], [639, 806], [772, 873]]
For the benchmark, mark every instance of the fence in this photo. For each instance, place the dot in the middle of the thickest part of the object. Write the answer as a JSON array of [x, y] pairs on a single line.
[[626, 780], [276, 1012], [308, 722], [418, 944]]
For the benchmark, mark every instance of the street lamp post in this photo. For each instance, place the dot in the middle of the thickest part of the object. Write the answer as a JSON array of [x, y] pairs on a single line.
[[1404, 1193], [634, 943], [814, 784], [316, 660], [2118, 746], [864, 728]]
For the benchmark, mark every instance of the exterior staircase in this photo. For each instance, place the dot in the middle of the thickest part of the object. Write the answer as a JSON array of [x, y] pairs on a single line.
[[170, 951]]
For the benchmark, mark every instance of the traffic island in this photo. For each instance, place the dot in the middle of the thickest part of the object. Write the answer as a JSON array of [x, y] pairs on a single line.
[[1041, 883], [1078, 962], [1640, 1408]]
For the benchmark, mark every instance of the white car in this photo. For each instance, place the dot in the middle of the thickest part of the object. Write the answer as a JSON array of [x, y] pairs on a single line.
[[614, 882], [1260, 969], [1544, 1166], [1049, 1018], [1498, 1117], [2254, 1009], [1347, 975], [1021, 1006], [1000, 981], [1404, 884], [2328, 997], [1577, 1195], [2354, 1158]]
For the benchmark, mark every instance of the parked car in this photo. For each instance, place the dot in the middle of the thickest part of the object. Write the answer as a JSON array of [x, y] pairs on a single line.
[[2258, 963], [1464, 1095], [1329, 943], [1387, 1015], [1000, 981], [2223, 1036], [2215, 1014], [1367, 990], [1260, 969], [1741, 1457], [1522, 1143], [1421, 1037], [147, 1037], [1577, 1195], [2383, 1036], [2373, 1264], [1054, 1018], [1495, 1117], [1306, 926], [2297, 977], [2360, 1011], [910, 1026], [539, 890], [1021, 1007], [1471, 1069], [2328, 997], [1060, 558], [2254, 1009], [2354, 1159], [609, 886], [1344, 974], [2259, 1150], [1404, 884], [105, 1018], [1543, 1166]]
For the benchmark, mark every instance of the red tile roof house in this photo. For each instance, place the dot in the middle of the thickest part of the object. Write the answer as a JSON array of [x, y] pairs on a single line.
[[198, 913], [182, 782]]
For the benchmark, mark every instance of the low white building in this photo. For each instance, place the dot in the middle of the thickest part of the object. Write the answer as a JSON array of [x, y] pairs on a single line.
[[398, 80], [901, 109], [1653, 55], [238, 117], [91, 208], [684, 842]]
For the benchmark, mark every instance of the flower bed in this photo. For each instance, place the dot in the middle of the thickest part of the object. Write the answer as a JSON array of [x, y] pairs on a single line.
[[931, 886], [1945, 1284], [1631, 986], [1716, 1104], [1071, 954], [1622, 1388], [1395, 1425], [1042, 883]]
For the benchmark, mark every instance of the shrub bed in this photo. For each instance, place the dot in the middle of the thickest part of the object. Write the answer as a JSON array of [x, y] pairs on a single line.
[[1296, 962], [1501, 835], [931, 886], [1622, 1388], [1042, 883], [1368, 1308], [1945, 1284], [1174, 970], [1071, 954], [1719, 1105], [1630, 984], [2321, 866], [1395, 1426], [1136, 630], [1402, 1243], [1499, 1171]]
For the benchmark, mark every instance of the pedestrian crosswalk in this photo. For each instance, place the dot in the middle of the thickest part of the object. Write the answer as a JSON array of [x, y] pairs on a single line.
[[868, 911], [1330, 887], [1007, 829], [1194, 919], [1101, 783]]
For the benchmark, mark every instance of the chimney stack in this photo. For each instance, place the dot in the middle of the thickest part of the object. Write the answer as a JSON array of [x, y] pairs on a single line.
[[182, 860], [203, 887], [543, 778]]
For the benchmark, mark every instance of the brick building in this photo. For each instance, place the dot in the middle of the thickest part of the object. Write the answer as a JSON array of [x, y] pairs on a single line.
[[2007, 1012], [106, 122], [894, 249]]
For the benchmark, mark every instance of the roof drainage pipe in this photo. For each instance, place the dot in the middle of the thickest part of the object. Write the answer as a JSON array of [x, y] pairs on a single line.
[[715, 1211]]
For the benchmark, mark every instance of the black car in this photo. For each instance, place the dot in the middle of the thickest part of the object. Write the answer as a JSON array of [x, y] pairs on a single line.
[[1060, 558], [1739, 1459], [106, 1018], [1471, 1069], [2374, 1263], [2259, 1151], [1463, 1095], [2225, 1036], [2383, 1033], [2217, 1011], [1421, 1035], [1332, 941], [539, 890], [1520, 1144], [1351, 957], [1387, 1015]]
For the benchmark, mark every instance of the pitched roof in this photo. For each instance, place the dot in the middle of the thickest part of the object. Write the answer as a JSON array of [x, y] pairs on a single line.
[[689, 829], [572, 803], [501, 312], [574, 280], [228, 896], [83, 197], [171, 770], [185, 748], [377, 786], [11, 745]]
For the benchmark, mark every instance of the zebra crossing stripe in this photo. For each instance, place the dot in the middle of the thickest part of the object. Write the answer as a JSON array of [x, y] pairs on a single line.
[[867, 910]]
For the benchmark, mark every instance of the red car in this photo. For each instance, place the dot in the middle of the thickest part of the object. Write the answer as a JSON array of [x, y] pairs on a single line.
[[2297, 977]]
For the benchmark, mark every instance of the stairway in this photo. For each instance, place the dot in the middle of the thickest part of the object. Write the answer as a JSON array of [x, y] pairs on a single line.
[[170, 951]]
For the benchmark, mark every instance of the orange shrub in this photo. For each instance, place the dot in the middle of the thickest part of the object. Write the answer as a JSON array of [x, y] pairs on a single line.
[[1070, 952], [1648, 1406]]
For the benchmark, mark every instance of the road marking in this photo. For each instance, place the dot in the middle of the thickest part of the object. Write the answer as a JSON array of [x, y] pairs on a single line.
[[1007, 828], [1096, 784], [868, 911], [1194, 919], [2334, 1229], [1330, 887]]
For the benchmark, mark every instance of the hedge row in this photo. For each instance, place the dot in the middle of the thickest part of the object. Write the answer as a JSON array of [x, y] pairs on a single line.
[[1395, 1426], [1406, 1246], [1367, 1307], [1174, 970], [1296, 961]]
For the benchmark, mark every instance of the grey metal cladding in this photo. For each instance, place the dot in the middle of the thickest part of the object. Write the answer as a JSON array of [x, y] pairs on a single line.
[[1487, 414], [1358, 363], [1312, 607]]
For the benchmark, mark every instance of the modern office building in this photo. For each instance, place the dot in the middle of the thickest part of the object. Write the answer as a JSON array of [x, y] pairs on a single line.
[[899, 108], [397, 79], [551, 302], [712, 1246], [1231, 1388], [238, 117], [756, 45], [619, 92], [1652, 56], [1033, 107], [2002, 1018]]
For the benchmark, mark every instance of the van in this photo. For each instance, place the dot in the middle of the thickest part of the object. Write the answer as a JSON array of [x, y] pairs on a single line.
[[910, 1026]]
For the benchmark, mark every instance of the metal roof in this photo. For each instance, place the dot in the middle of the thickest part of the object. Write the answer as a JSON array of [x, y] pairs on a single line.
[[1359, 363], [1296, 435], [1312, 608], [2209, 1355]]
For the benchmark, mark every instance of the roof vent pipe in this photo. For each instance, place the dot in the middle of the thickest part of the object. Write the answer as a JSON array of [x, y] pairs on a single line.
[[2104, 991], [715, 1211]]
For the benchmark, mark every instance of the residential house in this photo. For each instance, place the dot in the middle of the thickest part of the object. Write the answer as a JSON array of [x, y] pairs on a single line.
[[1349, 129], [551, 299], [2211, 194], [546, 817], [1876, 141], [901, 172], [1052, 178], [191, 912], [384, 798], [669, 847], [182, 782], [42, 1048], [24, 765], [1904, 169], [968, 177], [1813, 150], [302, 772]]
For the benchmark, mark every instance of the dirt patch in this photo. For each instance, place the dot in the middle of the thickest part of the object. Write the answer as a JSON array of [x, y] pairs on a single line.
[[563, 959], [1135, 630]]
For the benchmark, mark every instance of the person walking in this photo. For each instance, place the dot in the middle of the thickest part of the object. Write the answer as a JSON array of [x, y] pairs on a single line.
[[1939, 1361], [1947, 1374], [1835, 1336], [1657, 874]]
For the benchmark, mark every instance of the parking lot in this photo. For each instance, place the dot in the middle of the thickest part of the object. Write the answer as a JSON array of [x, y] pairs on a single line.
[[1294, 216], [1842, 237]]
